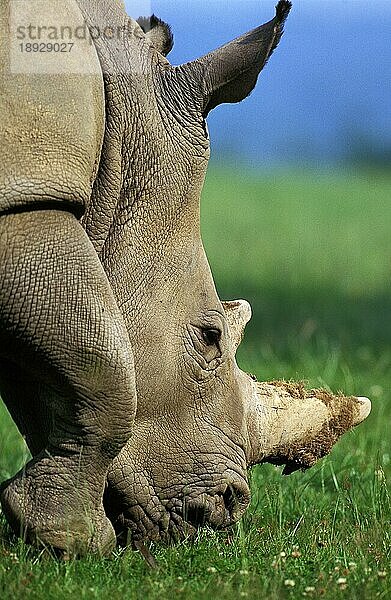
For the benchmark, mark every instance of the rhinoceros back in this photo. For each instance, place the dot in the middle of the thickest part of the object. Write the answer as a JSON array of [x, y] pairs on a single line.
[[51, 108]]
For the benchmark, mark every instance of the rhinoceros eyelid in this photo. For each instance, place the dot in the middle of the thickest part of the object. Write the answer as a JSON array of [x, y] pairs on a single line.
[[211, 336]]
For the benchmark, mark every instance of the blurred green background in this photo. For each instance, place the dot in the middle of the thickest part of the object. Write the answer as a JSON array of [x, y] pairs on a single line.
[[311, 251]]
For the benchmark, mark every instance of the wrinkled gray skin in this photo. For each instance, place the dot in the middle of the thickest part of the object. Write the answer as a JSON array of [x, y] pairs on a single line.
[[67, 375]]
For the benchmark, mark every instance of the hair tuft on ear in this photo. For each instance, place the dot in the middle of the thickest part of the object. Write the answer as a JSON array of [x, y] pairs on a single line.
[[158, 32], [283, 9]]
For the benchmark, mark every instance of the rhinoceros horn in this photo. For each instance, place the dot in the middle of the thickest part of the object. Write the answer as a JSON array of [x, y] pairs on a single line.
[[238, 313], [288, 424], [295, 427]]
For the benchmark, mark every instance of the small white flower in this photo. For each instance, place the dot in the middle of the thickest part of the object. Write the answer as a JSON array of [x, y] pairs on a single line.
[[382, 574], [14, 557], [289, 583]]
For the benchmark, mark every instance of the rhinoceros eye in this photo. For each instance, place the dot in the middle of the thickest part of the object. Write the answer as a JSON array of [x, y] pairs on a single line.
[[211, 336]]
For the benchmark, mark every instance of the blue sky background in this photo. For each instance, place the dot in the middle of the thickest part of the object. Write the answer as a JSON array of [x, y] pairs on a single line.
[[325, 91]]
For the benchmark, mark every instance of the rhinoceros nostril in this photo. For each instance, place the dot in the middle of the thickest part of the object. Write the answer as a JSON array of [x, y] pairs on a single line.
[[229, 498], [236, 499], [196, 513]]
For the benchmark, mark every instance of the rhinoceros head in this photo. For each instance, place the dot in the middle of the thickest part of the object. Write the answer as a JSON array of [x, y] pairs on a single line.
[[200, 420], [186, 464]]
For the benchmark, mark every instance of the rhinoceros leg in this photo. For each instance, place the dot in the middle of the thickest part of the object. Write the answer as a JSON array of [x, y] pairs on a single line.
[[60, 323]]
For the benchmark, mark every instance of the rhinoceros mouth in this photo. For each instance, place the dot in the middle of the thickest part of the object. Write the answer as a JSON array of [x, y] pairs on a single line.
[[170, 529], [220, 510], [179, 520]]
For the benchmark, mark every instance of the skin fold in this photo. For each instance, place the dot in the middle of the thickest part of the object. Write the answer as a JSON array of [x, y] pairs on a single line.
[[137, 297]]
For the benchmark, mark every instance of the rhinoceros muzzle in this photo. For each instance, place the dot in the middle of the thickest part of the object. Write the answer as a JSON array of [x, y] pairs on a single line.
[[221, 510], [179, 520]]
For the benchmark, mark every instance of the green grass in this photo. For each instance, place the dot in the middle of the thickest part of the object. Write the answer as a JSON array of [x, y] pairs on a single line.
[[313, 255]]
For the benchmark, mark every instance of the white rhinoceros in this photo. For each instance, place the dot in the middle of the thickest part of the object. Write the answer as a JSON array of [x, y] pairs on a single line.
[[103, 156]]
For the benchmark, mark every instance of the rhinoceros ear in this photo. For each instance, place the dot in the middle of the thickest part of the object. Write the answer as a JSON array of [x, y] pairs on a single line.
[[230, 73]]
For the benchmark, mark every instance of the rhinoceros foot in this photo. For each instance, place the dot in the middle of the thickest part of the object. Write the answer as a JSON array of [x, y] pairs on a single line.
[[47, 511]]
